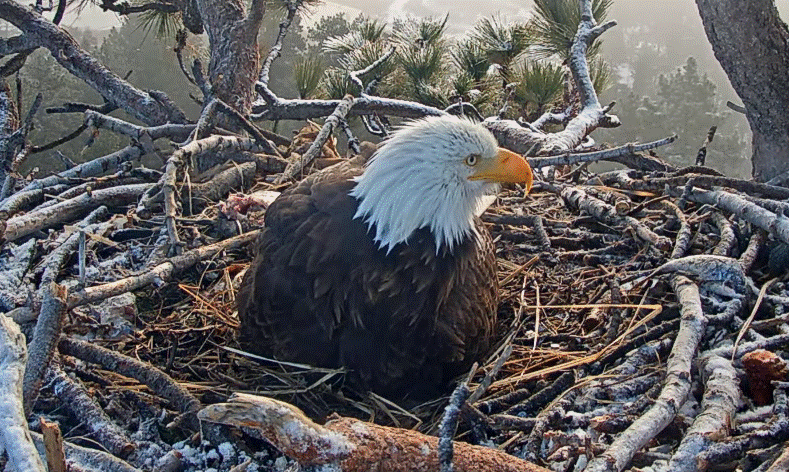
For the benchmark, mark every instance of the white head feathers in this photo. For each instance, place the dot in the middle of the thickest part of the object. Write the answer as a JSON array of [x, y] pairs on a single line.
[[420, 178]]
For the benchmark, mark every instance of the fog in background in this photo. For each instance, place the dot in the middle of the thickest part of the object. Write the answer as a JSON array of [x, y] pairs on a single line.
[[652, 37]]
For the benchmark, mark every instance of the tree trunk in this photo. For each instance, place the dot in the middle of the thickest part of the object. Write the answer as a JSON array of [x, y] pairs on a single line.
[[752, 45], [235, 59]]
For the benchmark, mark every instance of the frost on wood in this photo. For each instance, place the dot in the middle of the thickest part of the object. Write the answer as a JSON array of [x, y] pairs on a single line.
[[16, 440]]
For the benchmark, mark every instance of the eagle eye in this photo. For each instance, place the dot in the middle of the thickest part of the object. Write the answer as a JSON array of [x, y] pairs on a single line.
[[471, 160]]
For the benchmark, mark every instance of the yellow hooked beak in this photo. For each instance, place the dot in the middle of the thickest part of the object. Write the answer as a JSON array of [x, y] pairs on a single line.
[[506, 167]]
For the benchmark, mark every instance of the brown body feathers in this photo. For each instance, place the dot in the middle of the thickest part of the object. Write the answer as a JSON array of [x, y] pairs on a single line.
[[321, 292]]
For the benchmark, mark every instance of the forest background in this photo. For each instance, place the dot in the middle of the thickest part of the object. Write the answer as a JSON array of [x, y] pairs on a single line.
[[663, 73]]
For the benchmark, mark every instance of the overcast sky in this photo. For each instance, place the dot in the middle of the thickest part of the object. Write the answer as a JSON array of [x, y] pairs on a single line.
[[461, 12]]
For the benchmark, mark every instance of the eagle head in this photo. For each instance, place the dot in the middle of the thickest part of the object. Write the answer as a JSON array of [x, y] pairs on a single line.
[[433, 172]]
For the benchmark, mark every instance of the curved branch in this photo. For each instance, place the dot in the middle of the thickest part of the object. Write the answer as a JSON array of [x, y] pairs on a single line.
[[294, 168], [591, 116], [276, 49]]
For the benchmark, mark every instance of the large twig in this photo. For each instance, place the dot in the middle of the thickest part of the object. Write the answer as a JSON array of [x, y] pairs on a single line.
[[173, 131], [294, 109], [675, 391], [62, 212], [615, 154], [77, 401], [168, 184], [748, 257], [352, 445], [14, 436], [777, 225], [606, 213], [633, 180], [161, 273], [161, 383], [721, 398], [684, 234], [45, 335], [92, 168]]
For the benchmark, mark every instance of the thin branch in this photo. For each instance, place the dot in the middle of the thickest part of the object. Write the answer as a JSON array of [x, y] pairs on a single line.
[[295, 168], [355, 75], [735, 107], [606, 155], [249, 127], [180, 44], [449, 424], [126, 8], [61, 10], [353, 141], [51, 145], [276, 49]]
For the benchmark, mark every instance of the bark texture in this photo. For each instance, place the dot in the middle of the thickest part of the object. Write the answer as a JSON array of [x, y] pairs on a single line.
[[235, 60], [752, 45]]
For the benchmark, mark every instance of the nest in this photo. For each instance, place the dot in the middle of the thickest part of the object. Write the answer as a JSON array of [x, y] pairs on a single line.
[[580, 296]]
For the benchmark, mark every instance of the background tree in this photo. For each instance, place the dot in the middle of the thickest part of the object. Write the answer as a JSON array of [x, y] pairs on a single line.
[[684, 102], [751, 42]]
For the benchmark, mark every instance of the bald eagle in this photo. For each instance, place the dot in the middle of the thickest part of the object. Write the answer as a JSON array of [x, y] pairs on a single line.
[[385, 269]]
